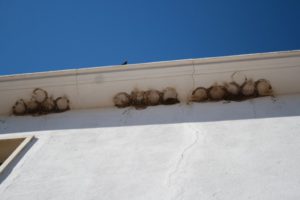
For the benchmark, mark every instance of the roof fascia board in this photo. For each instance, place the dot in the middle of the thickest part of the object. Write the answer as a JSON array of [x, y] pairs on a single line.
[[152, 65]]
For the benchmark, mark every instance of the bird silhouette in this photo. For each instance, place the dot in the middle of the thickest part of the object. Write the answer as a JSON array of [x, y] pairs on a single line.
[[125, 63]]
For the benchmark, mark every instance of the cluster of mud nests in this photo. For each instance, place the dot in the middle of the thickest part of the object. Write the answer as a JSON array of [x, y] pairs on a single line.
[[141, 99], [231, 91], [40, 103]]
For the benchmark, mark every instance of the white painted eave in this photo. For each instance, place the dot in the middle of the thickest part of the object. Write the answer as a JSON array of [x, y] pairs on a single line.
[[95, 87]]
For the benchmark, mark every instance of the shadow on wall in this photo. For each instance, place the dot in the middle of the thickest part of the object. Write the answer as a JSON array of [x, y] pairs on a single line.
[[264, 107], [14, 162]]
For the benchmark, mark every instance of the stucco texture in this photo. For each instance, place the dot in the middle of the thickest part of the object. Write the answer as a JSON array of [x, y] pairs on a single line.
[[222, 150]]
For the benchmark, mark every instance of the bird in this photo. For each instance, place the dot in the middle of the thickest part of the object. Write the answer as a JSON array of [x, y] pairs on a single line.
[[125, 62]]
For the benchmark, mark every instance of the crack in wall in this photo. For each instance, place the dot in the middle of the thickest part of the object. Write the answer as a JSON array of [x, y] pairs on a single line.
[[126, 114], [193, 74], [253, 108], [181, 158]]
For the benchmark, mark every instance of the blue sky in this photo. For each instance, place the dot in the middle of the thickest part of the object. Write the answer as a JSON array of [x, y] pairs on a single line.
[[38, 35]]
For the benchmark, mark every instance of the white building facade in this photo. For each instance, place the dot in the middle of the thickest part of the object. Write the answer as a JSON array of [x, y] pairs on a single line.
[[212, 150]]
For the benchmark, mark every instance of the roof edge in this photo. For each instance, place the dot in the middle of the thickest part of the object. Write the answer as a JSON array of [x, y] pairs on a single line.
[[152, 65]]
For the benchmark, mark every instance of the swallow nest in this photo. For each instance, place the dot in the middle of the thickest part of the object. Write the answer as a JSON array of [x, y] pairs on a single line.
[[141, 99], [232, 91], [40, 103]]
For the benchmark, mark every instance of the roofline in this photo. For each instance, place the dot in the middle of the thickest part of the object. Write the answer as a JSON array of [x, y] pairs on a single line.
[[96, 87], [152, 65]]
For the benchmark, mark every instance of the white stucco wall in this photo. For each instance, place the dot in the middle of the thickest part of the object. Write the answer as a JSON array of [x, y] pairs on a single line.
[[237, 150]]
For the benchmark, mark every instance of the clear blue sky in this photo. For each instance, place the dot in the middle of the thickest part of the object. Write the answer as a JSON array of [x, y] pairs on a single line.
[[39, 35]]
